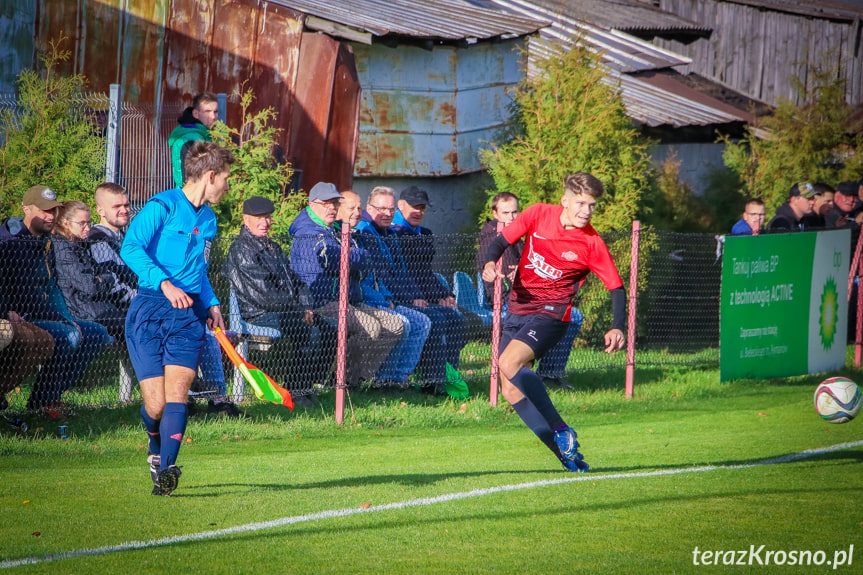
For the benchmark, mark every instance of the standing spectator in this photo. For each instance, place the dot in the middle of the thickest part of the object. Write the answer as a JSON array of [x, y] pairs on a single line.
[[447, 337], [846, 211], [271, 294], [562, 248], [32, 295], [316, 257], [823, 204], [801, 199], [23, 346], [382, 245], [168, 247], [194, 125], [752, 221]]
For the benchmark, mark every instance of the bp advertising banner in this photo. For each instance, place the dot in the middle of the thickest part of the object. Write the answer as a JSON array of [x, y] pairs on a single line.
[[784, 304]]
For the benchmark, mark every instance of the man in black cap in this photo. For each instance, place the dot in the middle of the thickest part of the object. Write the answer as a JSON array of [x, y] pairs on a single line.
[[447, 337], [801, 200], [270, 294]]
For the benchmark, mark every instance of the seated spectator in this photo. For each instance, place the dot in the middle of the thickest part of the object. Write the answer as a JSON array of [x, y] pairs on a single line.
[[106, 240], [801, 199], [270, 294], [504, 209], [417, 243], [823, 204], [376, 237], [316, 257], [88, 295], [752, 221], [23, 346], [32, 294]]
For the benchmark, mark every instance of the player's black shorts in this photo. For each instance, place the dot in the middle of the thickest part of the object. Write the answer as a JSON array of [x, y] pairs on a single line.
[[539, 332]]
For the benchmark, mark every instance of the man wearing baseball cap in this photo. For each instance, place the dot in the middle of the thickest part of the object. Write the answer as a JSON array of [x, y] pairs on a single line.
[[316, 257], [801, 200], [31, 294]]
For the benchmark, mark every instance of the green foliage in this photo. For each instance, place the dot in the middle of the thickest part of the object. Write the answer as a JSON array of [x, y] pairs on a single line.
[[677, 208], [256, 171], [813, 141], [571, 120], [49, 140]]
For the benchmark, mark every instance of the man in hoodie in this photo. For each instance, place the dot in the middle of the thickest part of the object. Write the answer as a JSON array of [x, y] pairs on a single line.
[[31, 294], [801, 200], [417, 246], [316, 256], [194, 125]]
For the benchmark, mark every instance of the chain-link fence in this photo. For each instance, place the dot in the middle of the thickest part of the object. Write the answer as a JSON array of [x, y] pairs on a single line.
[[417, 314]]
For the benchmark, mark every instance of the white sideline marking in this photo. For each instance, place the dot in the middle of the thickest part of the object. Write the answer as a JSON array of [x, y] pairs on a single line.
[[333, 513]]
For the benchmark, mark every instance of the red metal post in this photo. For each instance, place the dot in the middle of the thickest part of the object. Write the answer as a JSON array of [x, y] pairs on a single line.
[[341, 354], [495, 329], [858, 334], [855, 265], [633, 301]]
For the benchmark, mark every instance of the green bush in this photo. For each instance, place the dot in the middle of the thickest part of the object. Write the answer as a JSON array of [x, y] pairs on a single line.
[[49, 140]]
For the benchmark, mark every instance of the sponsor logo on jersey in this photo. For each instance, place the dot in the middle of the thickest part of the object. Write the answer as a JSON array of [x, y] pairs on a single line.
[[539, 266], [569, 256]]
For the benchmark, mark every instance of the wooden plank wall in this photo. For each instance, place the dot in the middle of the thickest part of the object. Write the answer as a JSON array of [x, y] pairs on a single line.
[[758, 51]]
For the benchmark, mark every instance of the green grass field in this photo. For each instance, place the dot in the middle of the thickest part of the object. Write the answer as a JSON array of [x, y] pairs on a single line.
[[93, 490]]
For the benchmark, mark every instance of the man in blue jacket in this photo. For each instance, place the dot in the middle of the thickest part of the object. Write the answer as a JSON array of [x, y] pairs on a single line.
[[168, 247], [316, 256], [417, 245]]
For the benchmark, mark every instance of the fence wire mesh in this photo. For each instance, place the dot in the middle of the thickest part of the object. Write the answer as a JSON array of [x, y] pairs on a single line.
[[417, 314]]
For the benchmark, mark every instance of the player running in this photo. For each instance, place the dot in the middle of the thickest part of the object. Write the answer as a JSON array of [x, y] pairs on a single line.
[[168, 247], [561, 248]]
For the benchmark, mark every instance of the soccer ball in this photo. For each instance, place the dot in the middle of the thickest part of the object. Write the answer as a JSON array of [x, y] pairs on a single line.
[[838, 399]]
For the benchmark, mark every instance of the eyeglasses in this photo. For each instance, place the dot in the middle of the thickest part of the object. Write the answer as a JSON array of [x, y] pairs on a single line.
[[330, 204], [85, 224], [383, 210]]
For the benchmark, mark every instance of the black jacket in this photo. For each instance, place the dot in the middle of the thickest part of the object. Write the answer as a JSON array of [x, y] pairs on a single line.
[[418, 252], [260, 275], [785, 220], [88, 295]]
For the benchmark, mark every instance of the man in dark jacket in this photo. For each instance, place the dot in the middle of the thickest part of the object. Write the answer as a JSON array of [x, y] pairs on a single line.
[[316, 256], [418, 251], [801, 200], [31, 294], [194, 125], [270, 294]]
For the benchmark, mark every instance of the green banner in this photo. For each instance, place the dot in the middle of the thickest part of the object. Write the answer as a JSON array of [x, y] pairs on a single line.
[[784, 304]]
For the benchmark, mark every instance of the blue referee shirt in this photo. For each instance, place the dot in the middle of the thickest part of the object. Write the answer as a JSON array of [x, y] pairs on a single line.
[[170, 240]]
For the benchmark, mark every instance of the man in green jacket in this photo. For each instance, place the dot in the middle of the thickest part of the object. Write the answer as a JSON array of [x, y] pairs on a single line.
[[194, 125]]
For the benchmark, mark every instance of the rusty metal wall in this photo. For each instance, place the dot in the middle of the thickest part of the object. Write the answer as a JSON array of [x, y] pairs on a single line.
[[428, 112], [163, 52]]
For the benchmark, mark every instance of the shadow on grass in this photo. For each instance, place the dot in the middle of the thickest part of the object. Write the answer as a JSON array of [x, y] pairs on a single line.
[[848, 457]]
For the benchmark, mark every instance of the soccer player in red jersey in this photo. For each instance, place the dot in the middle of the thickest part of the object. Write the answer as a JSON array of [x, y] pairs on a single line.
[[561, 248]]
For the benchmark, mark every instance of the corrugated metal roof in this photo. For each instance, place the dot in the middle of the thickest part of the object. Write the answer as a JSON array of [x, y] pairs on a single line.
[[620, 51], [447, 20], [829, 9], [624, 15]]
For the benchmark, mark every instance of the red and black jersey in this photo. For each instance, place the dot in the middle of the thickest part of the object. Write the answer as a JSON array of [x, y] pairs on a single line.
[[554, 262]]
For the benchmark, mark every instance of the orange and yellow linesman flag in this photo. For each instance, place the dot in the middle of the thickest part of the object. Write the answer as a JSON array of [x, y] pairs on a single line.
[[265, 388]]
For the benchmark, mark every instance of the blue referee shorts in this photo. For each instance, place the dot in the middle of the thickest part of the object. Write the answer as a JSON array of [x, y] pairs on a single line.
[[539, 332], [158, 334]]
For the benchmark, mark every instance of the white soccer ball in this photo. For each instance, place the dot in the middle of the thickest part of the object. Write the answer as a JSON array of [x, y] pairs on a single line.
[[838, 399]]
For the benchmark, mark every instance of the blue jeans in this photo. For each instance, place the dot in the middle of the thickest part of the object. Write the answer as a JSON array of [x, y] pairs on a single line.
[[403, 358], [73, 352], [445, 341], [553, 363]]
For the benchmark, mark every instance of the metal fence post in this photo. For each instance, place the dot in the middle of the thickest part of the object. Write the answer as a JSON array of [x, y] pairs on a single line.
[[495, 328], [633, 303], [115, 112], [341, 354]]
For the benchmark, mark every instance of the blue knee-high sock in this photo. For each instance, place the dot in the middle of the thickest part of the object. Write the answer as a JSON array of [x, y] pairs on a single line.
[[536, 422], [152, 427], [530, 384], [172, 429]]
